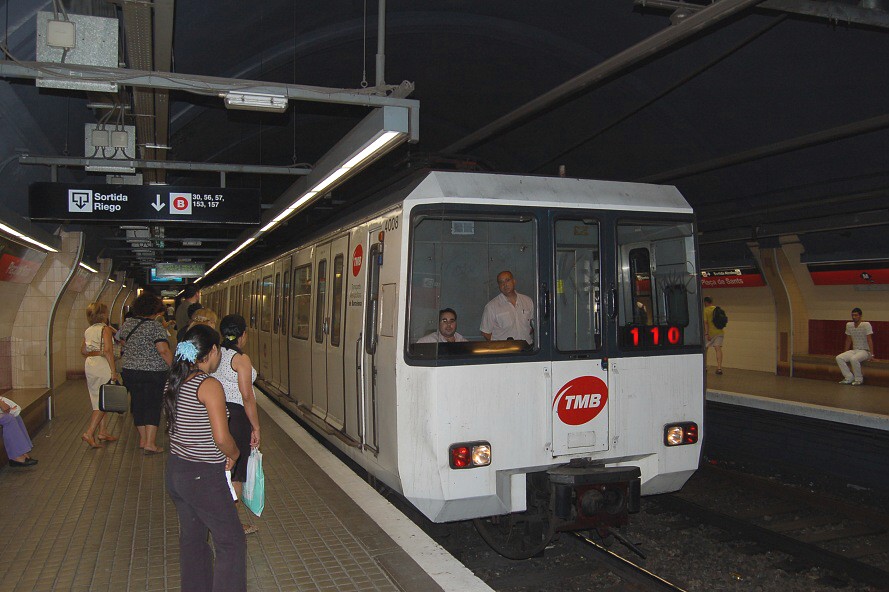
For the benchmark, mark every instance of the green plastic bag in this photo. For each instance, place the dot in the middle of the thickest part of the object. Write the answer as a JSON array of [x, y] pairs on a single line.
[[253, 494]]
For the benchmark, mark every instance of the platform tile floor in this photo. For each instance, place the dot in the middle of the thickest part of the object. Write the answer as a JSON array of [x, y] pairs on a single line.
[[96, 520]]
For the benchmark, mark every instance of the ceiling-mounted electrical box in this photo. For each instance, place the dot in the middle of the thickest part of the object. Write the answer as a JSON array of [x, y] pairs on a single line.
[[80, 39]]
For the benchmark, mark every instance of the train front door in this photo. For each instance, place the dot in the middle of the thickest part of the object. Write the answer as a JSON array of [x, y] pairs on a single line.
[[327, 339], [579, 394]]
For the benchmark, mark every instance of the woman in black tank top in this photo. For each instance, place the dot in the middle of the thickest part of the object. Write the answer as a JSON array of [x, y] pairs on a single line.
[[201, 450]]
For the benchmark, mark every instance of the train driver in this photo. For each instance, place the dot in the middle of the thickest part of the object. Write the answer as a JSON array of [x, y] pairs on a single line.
[[508, 315], [447, 329]]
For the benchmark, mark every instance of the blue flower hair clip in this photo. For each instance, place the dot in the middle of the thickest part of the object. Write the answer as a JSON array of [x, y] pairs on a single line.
[[187, 351]]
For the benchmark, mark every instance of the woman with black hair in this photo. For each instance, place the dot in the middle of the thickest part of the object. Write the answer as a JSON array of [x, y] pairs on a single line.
[[201, 450], [144, 364], [236, 373]]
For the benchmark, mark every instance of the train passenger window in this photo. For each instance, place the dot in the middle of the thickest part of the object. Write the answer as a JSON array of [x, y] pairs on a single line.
[[456, 257], [302, 301], [265, 306], [657, 294], [576, 294], [277, 301], [320, 301], [336, 313], [252, 319], [285, 307]]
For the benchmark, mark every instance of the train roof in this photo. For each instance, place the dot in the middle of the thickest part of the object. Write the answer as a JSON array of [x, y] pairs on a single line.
[[546, 191]]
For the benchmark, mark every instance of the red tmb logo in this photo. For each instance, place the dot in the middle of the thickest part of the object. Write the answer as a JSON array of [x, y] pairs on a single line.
[[357, 259], [581, 400]]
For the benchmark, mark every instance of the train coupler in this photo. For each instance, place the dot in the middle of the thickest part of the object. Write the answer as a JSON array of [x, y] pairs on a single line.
[[594, 496]]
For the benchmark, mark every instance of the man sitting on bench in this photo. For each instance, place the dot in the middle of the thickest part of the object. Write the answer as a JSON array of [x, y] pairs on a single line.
[[859, 348]]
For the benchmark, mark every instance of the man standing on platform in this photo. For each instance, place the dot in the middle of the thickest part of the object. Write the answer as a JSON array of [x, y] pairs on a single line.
[[859, 348], [190, 295], [714, 330]]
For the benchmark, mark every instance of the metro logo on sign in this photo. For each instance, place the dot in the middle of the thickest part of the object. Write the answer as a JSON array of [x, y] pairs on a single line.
[[581, 400], [180, 203], [357, 260]]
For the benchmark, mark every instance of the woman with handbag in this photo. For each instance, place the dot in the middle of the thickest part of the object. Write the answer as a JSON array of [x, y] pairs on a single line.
[[201, 450], [99, 367], [15, 435], [145, 363], [236, 373]]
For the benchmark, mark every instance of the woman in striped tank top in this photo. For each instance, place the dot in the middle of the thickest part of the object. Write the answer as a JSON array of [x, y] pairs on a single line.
[[201, 450]]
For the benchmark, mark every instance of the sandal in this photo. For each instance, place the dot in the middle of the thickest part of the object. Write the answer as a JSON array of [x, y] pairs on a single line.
[[107, 438], [148, 452], [89, 440], [250, 528]]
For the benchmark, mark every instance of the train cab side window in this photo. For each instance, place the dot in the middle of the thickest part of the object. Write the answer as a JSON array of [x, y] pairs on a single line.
[[576, 294], [265, 305], [456, 257], [372, 313], [658, 295], [302, 301]]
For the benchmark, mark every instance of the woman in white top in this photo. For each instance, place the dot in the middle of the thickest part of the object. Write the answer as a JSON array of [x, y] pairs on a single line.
[[99, 368], [236, 373]]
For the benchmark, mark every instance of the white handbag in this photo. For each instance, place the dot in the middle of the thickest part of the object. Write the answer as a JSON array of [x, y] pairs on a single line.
[[14, 408]]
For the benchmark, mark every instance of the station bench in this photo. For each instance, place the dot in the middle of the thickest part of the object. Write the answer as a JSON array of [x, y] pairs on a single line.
[[827, 338], [35, 406], [824, 367]]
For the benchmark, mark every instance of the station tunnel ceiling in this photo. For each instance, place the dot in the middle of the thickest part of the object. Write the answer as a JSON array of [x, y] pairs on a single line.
[[771, 121]]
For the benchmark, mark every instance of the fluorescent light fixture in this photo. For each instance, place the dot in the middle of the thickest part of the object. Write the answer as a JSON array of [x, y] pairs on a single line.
[[87, 267], [370, 150], [243, 246], [255, 102], [376, 134], [111, 280], [26, 238]]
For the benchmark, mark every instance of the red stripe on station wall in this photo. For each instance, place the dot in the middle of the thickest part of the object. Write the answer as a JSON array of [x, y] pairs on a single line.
[[845, 277]]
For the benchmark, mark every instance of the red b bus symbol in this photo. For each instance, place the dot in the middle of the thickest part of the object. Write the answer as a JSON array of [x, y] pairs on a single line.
[[180, 203]]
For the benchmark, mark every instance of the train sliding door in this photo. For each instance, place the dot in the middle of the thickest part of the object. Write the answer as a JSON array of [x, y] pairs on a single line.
[[266, 296], [299, 349], [277, 343], [367, 369], [327, 339], [579, 377], [283, 318]]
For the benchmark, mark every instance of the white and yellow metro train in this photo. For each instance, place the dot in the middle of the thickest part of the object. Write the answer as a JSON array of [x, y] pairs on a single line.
[[525, 438]]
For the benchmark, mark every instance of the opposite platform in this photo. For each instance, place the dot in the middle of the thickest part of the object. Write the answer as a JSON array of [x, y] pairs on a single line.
[[864, 406], [91, 520]]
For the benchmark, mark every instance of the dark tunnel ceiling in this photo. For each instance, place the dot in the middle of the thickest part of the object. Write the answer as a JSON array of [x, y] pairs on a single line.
[[769, 122]]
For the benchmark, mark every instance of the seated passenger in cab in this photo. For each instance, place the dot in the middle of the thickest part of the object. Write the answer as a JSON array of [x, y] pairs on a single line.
[[447, 329], [508, 315]]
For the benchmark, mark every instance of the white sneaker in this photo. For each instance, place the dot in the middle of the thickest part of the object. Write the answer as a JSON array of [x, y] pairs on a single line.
[[857, 382], [846, 381]]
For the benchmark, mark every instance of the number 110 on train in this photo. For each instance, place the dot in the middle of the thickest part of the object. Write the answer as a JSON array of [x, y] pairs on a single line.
[[652, 336]]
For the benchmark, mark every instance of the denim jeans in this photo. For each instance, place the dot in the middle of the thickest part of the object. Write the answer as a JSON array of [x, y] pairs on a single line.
[[205, 505]]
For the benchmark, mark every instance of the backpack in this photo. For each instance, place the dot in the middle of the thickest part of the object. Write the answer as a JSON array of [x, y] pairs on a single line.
[[720, 319]]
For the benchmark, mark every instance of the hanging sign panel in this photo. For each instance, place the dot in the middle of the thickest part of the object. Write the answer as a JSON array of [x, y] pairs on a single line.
[[65, 202], [748, 277]]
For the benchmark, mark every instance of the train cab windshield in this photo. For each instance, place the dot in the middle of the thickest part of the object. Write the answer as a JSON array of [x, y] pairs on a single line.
[[487, 286], [473, 284]]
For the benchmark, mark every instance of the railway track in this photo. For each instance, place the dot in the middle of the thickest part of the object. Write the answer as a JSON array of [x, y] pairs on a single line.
[[847, 539]]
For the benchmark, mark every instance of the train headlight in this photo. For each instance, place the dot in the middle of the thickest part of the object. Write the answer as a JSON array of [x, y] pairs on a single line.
[[678, 434], [468, 455]]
